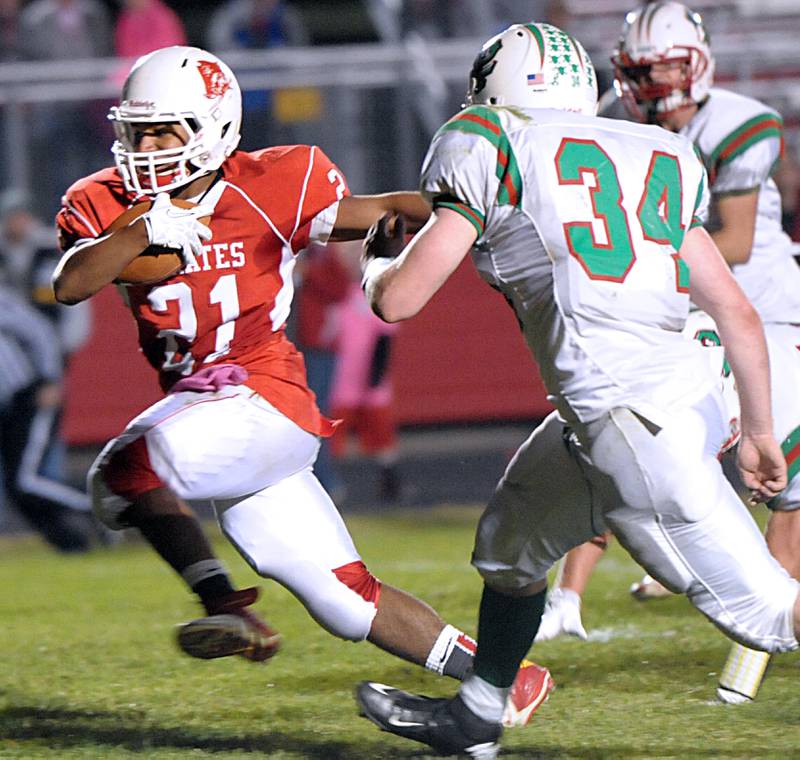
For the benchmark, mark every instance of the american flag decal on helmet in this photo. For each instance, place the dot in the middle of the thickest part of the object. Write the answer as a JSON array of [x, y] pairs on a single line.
[[216, 82]]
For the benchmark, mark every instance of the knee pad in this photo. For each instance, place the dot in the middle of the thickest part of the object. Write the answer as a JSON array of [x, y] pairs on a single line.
[[343, 600], [356, 602], [508, 578], [355, 576], [347, 605], [350, 606]]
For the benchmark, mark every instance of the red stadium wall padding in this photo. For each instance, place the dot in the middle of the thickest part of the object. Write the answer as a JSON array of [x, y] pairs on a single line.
[[109, 381], [462, 359]]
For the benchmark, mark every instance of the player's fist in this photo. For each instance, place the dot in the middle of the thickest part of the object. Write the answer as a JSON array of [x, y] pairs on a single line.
[[762, 467], [385, 239]]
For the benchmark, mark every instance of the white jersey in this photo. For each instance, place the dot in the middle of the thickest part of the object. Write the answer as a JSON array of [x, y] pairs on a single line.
[[741, 140], [579, 221], [783, 342]]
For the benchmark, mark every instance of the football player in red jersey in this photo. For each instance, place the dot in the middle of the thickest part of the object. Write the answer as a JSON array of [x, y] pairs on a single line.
[[238, 427]]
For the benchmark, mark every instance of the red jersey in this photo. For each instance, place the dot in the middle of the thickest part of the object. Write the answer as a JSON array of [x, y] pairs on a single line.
[[231, 307]]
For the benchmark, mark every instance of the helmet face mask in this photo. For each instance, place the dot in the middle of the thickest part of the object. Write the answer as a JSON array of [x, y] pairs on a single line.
[[533, 66], [187, 87], [662, 36], [154, 170]]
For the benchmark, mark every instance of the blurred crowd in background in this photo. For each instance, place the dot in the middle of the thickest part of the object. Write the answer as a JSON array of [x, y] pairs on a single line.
[[67, 139], [78, 30], [64, 140]]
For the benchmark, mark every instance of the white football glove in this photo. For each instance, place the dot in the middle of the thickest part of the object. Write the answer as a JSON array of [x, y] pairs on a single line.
[[180, 229]]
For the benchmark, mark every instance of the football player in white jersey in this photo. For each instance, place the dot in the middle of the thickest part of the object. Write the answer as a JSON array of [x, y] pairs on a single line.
[[589, 228], [665, 69], [664, 75]]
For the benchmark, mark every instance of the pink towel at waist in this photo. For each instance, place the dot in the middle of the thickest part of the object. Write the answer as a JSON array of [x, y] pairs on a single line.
[[212, 379]]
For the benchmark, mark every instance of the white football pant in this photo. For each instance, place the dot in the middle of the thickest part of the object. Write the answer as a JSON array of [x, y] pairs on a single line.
[[232, 449], [664, 496]]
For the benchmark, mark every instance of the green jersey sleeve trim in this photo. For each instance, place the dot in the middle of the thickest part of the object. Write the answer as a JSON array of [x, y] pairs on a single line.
[[701, 187], [482, 121], [761, 127], [791, 450], [475, 218]]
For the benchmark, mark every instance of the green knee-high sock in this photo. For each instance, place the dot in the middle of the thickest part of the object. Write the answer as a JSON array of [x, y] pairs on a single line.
[[507, 626]]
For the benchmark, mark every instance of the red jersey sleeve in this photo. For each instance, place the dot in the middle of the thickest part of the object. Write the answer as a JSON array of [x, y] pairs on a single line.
[[89, 207], [325, 186]]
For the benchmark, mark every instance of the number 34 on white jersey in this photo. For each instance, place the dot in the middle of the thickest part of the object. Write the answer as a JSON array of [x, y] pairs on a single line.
[[579, 223]]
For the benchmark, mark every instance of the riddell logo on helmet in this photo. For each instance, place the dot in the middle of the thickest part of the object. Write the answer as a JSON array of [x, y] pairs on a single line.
[[217, 84]]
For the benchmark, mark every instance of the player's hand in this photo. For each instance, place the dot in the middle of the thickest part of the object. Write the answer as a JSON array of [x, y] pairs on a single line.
[[179, 229], [385, 239], [762, 467]]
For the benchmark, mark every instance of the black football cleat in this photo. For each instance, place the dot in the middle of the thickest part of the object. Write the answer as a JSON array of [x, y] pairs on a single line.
[[446, 725]]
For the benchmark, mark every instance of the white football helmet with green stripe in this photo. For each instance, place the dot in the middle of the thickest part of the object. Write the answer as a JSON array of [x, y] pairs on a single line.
[[534, 66], [662, 33]]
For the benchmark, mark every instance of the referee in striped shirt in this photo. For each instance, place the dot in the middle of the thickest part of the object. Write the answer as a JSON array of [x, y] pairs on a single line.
[[30, 396]]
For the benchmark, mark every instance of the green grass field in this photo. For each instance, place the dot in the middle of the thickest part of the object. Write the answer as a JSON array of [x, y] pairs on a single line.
[[89, 668]]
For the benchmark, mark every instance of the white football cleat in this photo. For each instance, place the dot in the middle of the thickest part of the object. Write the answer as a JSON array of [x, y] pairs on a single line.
[[562, 616], [649, 588], [730, 697]]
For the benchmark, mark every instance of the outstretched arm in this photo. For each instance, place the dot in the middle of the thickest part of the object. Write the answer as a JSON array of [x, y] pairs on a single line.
[[357, 213], [400, 281], [714, 290]]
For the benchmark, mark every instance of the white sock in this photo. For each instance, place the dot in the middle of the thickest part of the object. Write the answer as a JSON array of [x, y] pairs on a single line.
[[199, 571], [484, 699]]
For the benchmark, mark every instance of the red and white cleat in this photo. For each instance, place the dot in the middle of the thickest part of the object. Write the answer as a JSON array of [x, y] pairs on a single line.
[[531, 688], [230, 629]]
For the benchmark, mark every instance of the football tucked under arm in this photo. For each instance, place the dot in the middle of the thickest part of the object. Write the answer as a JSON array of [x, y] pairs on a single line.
[[175, 237]]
